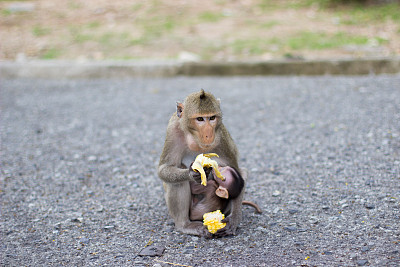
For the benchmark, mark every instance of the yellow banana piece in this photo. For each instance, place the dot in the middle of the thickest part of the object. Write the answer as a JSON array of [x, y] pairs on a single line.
[[213, 221], [204, 160]]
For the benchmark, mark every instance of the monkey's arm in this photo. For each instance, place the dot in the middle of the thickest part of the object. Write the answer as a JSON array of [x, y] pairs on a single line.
[[173, 174], [170, 168]]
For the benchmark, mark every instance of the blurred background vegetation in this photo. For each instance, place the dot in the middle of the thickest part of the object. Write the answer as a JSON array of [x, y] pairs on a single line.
[[198, 30]]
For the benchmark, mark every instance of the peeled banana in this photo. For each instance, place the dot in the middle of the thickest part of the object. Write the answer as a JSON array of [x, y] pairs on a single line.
[[213, 221], [204, 160]]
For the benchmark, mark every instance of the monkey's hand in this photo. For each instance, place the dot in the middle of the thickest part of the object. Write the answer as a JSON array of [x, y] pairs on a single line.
[[196, 175], [229, 229]]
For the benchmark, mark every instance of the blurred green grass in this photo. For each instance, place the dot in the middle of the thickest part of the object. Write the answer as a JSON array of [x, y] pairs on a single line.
[[250, 32]]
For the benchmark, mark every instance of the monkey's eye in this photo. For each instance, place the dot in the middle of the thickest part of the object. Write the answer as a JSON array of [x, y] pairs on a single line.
[[199, 119], [212, 118]]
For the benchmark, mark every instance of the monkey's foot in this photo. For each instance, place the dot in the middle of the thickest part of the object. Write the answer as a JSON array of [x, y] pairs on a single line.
[[228, 230]]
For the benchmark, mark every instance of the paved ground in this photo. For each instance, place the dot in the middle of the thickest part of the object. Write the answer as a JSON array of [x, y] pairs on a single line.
[[79, 185]]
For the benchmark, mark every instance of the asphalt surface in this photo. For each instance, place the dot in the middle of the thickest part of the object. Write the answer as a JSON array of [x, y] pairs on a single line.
[[79, 185]]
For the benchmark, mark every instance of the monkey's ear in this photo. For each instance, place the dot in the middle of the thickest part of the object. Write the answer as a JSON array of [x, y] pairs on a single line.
[[222, 192], [179, 109], [219, 101]]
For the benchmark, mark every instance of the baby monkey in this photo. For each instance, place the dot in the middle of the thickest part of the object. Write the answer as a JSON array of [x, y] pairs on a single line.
[[215, 195]]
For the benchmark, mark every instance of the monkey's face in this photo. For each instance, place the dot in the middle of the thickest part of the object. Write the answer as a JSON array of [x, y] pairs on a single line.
[[203, 128]]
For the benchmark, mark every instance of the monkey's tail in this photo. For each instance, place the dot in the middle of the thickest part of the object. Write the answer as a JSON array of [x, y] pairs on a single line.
[[254, 205]]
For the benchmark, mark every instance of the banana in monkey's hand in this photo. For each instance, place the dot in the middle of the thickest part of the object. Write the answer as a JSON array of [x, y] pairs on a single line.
[[213, 221], [204, 160]]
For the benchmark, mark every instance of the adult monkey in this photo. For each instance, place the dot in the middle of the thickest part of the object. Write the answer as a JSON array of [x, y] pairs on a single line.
[[196, 128]]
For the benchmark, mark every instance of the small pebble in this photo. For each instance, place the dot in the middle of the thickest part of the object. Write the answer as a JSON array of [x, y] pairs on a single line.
[[92, 158], [152, 251], [293, 211], [220, 243], [79, 220], [261, 229], [369, 206], [100, 209], [313, 220], [290, 228], [362, 262], [84, 240], [365, 249], [57, 226], [276, 193]]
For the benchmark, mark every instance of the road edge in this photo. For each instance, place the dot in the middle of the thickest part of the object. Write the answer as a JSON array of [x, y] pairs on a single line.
[[54, 69]]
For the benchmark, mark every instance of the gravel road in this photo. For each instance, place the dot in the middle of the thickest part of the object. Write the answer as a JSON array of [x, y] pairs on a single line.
[[79, 185]]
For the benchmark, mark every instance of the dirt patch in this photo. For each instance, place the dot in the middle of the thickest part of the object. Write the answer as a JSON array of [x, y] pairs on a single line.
[[214, 30]]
